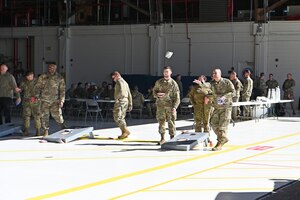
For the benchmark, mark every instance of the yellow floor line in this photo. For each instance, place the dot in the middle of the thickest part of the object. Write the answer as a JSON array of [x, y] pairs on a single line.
[[113, 179], [202, 171]]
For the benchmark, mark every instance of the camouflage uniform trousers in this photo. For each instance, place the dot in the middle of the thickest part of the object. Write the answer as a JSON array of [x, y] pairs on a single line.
[[201, 116], [246, 109], [119, 113], [235, 109], [164, 114], [54, 109], [34, 110], [220, 120], [289, 95]]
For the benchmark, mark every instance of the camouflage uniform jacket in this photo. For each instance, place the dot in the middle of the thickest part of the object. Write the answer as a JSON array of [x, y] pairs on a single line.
[[137, 99], [247, 87], [198, 92], [288, 85], [171, 90], [51, 88], [222, 88], [260, 84], [271, 84], [122, 92], [238, 86], [7, 85], [28, 89]]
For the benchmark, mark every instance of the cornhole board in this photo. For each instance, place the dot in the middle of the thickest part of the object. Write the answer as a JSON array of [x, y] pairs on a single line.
[[7, 129], [68, 135], [185, 141]]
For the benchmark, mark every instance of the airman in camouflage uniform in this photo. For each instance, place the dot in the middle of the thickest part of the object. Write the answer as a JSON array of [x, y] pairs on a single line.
[[238, 86], [123, 102], [137, 98], [201, 104], [51, 89], [31, 104], [222, 93], [271, 84], [260, 85], [167, 96], [288, 90], [8, 87], [246, 93]]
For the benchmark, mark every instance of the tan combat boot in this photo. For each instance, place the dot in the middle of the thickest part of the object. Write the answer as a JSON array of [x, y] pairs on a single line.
[[162, 139], [46, 133], [218, 147], [125, 133]]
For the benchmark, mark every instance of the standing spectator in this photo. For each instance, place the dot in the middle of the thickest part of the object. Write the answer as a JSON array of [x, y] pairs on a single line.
[[246, 93], [260, 86], [288, 89], [51, 88], [8, 87], [238, 86], [271, 84], [178, 81], [166, 92], [31, 104], [123, 102]]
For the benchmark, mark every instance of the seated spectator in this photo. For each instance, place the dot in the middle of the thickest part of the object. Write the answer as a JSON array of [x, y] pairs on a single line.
[[79, 91], [70, 93], [110, 92], [86, 89], [150, 106], [91, 91], [103, 90], [137, 98]]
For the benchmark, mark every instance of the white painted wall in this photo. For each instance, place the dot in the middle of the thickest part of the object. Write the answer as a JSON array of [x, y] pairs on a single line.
[[90, 53]]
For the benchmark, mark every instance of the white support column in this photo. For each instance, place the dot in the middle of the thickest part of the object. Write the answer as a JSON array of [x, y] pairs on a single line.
[[261, 48], [157, 50], [64, 63]]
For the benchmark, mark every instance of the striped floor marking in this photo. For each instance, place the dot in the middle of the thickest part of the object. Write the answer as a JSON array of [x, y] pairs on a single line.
[[124, 176], [202, 171]]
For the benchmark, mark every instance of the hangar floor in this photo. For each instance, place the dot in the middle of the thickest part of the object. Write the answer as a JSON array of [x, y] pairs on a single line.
[[261, 157]]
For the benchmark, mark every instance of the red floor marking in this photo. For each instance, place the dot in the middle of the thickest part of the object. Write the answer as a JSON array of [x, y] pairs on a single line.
[[260, 148]]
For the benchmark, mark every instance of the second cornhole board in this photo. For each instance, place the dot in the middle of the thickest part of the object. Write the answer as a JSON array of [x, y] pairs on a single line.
[[185, 141], [68, 135], [7, 129]]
